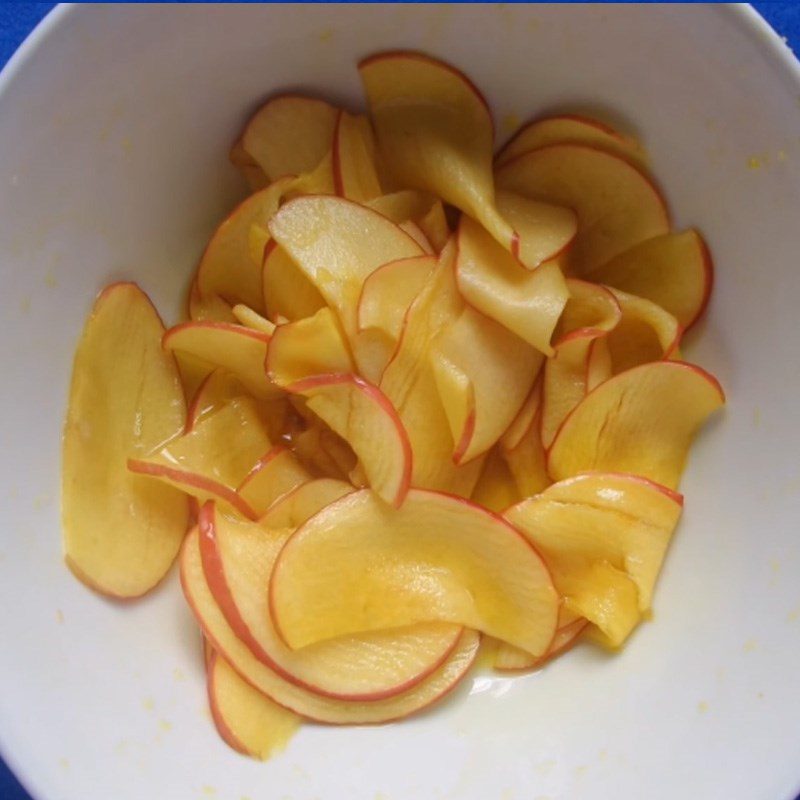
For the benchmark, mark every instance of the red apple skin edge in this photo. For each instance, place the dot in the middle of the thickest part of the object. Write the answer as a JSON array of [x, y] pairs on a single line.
[[262, 462], [239, 330], [216, 646], [708, 267], [579, 626]]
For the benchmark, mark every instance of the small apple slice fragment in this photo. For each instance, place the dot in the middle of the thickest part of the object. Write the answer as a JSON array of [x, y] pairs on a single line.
[[359, 565], [218, 388], [641, 421], [337, 243], [273, 476], [289, 135], [645, 332], [528, 303], [674, 270], [294, 697], [235, 348], [287, 291], [496, 488], [296, 506], [483, 373], [238, 558], [212, 459], [617, 205], [120, 533], [507, 657], [208, 307], [435, 131], [252, 319], [572, 129], [604, 536], [247, 720], [355, 175], [522, 447], [248, 166], [364, 417]]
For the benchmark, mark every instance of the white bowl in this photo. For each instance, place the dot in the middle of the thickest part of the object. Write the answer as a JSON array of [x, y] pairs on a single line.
[[114, 128]]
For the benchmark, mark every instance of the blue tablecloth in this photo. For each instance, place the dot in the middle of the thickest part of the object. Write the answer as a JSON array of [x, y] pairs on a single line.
[[18, 19]]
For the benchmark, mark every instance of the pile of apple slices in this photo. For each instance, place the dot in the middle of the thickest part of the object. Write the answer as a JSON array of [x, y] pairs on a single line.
[[435, 400]]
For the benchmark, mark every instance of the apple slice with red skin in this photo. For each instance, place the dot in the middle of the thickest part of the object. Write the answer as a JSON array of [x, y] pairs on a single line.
[[572, 129], [674, 270], [298, 505], [238, 558], [287, 291], [528, 303], [364, 417], [641, 421], [604, 536], [289, 695], [252, 319], [617, 205], [337, 243], [355, 175], [120, 533], [247, 720], [426, 211], [248, 166], [273, 476], [509, 658], [289, 135], [436, 558]]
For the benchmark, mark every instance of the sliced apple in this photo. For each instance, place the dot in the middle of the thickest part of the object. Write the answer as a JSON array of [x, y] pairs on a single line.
[[235, 348], [213, 458], [355, 175], [419, 207], [218, 388], [507, 657], [522, 446], [296, 506], [238, 558], [496, 488], [248, 166], [528, 303], [337, 244], [120, 533], [296, 698], [572, 129], [252, 319], [289, 135], [208, 307], [483, 373], [415, 232], [604, 536], [617, 205], [436, 558], [674, 270], [273, 476], [287, 291], [641, 421], [435, 226], [364, 417], [247, 720]]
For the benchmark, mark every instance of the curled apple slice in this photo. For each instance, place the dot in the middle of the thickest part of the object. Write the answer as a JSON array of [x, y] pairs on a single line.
[[218, 388], [238, 558], [355, 175], [248, 166], [527, 303], [674, 270], [522, 446], [337, 243], [289, 135], [496, 488], [294, 697], [358, 566], [120, 533], [604, 536], [247, 720], [617, 205], [641, 421], [252, 319], [298, 505], [273, 476], [287, 291], [212, 459], [235, 348], [507, 657], [572, 129]]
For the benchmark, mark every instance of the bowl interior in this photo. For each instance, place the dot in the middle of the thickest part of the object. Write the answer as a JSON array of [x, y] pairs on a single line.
[[114, 128]]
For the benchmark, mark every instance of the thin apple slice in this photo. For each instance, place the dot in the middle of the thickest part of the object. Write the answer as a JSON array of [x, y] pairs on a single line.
[[435, 226], [298, 505], [337, 244], [507, 657], [218, 388], [208, 307], [674, 270], [120, 533], [273, 476], [287, 291], [235, 348], [364, 417], [212, 459], [228, 268], [248, 166], [528, 303], [359, 565], [645, 332], [496, 488], [572, 129], [435, 131], [238, 558], [483, 373], [617, 205], [247, 720], [252, 319], [289, 135], [355, 175], [415, 232], [641, 421], [289, 695], [604, 536], [522, 447]]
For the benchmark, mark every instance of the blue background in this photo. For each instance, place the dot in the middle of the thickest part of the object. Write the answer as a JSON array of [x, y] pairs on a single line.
[[18, 19]]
